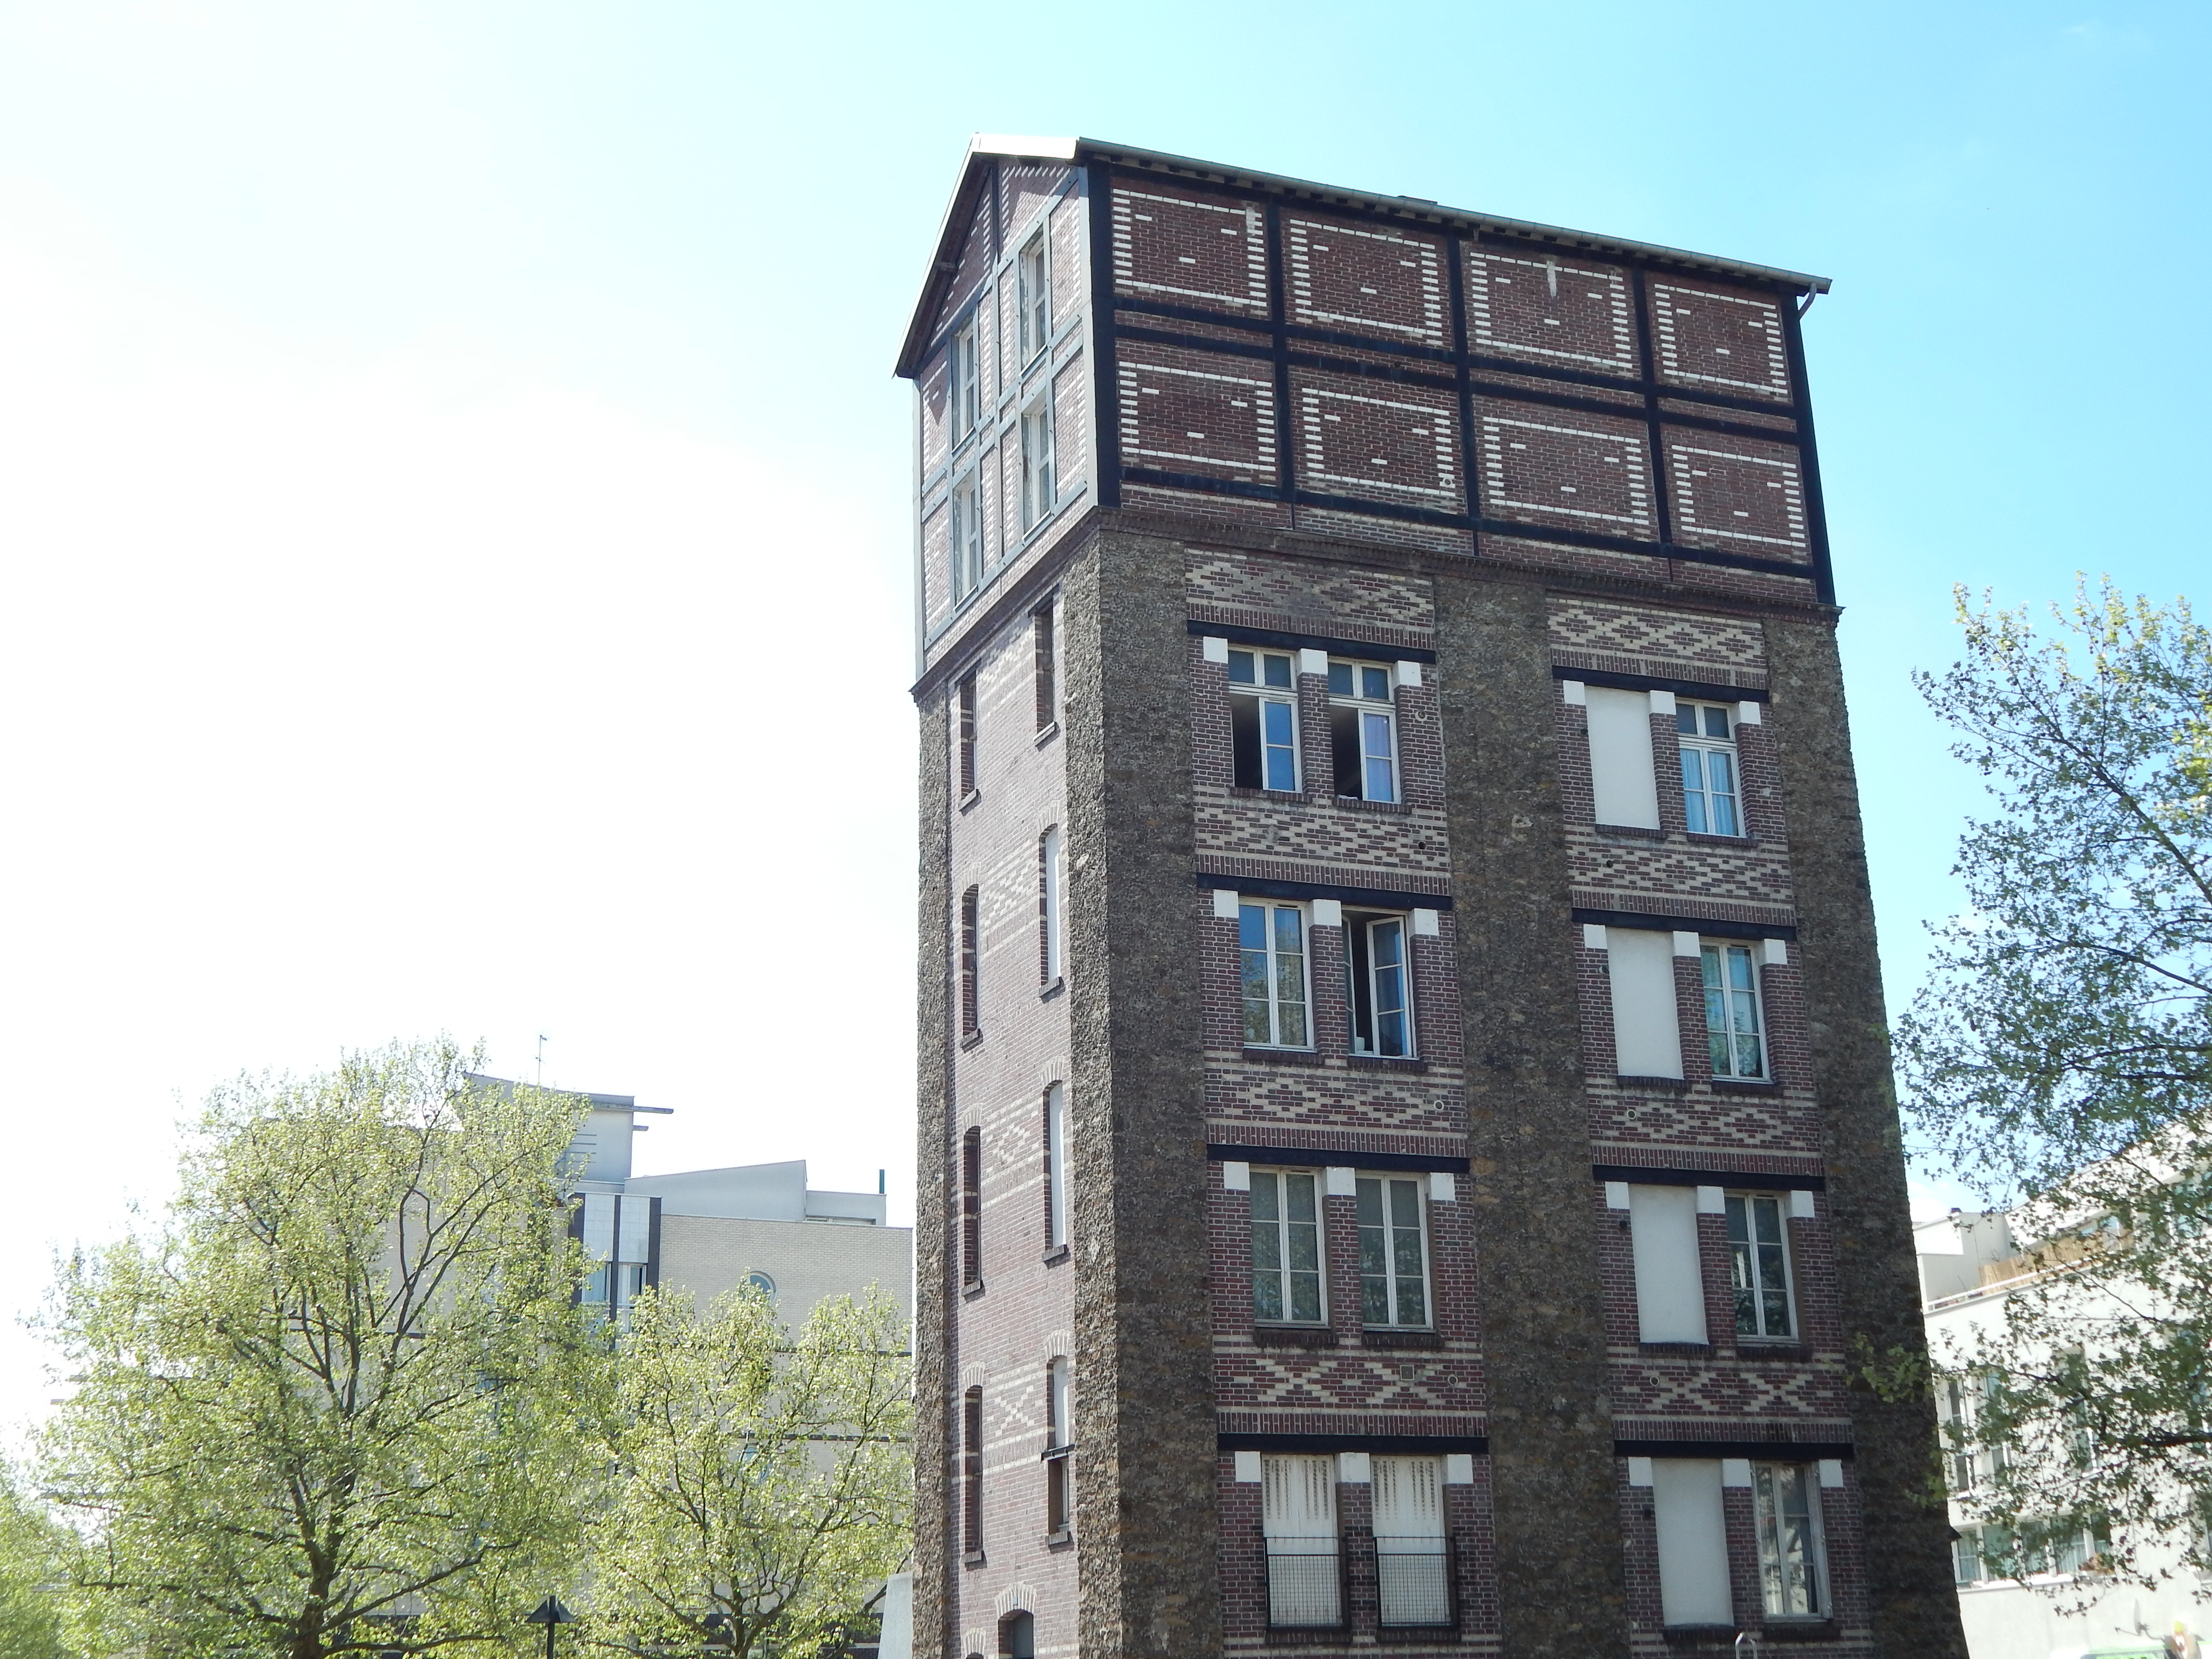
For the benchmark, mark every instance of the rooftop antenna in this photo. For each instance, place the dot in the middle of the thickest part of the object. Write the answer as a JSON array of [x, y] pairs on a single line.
[[541, 1059]]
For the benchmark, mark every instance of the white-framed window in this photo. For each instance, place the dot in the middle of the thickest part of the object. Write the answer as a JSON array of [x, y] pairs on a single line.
[[1272, 946], [1382, 986], [1050, 928], [1055, 1166], [1060, 1437], [1960, 1402], [1736, 1030], [967, 379], [1412, 1561], [1263, 720], [1363, 730], [1792, 1563], [1033, 296], [1759, 1265], [967, 539], [1394, 1252], [1297, 1517], [1711, 801], [1286, 1253], [1037, 495], [1044, 656]]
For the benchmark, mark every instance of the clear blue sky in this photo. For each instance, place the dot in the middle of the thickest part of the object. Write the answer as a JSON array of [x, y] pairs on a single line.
[[416, 614]]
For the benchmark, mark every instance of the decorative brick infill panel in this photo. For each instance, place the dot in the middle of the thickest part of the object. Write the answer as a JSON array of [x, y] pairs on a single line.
[[1617, 637]]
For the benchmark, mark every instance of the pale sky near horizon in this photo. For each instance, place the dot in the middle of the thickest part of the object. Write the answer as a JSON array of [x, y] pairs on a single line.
[[453, 534]]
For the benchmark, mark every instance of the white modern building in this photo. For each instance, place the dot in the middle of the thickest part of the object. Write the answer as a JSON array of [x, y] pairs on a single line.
[[1971, 1263]]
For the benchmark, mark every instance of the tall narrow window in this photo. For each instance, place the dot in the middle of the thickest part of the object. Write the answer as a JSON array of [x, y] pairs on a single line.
[[1263, 721], [1393, 1255], [1272, 942], [971, 1007], [1623, 782], [1412, 1561], [971, 1471], [1734, 1034], [1049, 927], [966, 734], [1363, 728], [1709, 770], [1286, 1247], [1382, 1004], [1035, 298], [1297, 1510], [1047, 665], [1759, 1255], [1790, 1568], [1037, 495], [967, 380], [1059, 1437], [967, 539], [1055, 1167], [971, 1209]]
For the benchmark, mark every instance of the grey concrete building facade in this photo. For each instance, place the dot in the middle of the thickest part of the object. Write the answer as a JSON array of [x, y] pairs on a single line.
[[1407, 1149]]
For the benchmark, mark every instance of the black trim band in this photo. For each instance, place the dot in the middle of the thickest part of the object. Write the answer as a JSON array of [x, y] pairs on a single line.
[[1479, 1444], [1801, 1451], [1650, 924], [1366, 649], [1321, 1158], [1614, 682], [1762, 1183], [1377, 898]]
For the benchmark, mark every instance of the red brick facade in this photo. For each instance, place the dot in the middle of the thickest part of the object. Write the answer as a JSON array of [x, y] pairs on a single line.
[[1352, 414]]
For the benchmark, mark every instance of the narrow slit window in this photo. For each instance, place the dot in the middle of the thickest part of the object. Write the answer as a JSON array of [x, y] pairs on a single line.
[[966, 734], [971, 1001], [967, 382], [1050, 931], [1055, 1166], [1035, 297], [971, 1209], [967, 537], [1060, 1436], [1286, 1282], [1047, 657], [1037, 496], [971, 1471]]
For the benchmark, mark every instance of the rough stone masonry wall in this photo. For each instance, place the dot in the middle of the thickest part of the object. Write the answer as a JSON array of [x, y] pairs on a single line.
[[1144, 1469], [933, 1266], [1915, 1608]]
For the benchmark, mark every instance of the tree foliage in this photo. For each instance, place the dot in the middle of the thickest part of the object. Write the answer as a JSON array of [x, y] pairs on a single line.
[[2060, 1060], [32, 1551], [764, 1485], [338, 1401]]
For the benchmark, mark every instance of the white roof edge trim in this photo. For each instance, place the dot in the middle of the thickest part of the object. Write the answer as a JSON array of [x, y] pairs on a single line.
[[1016, 143]]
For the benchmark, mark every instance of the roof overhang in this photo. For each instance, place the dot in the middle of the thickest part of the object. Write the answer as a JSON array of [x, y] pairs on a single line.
[[985, 148]]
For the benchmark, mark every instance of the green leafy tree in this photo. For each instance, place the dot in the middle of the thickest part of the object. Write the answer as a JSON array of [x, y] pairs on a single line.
[[2060, 1059], [764, 1484], [340, 1400], [32, 1551]]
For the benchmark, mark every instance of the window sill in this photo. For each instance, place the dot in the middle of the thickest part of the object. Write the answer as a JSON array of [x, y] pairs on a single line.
[[1387, 1063], [1749, 1349], [1798, 1630], [1283, 1056], [1062, 1539], [970, 799], [1699, 838], [1675, 1350], [971, 1290], [1280, 796], [1293, 1336], [972, 1558], [1633, 831], [1055, 1255], [1047, 733], [1731, 1085], [1046, 993], [1720, 1636], [1673, 1085], [971, 1041], [1380, 1339], [1361, 804]]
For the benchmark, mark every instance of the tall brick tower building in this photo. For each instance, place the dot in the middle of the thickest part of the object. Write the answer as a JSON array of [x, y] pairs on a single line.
[[1407, 1152]]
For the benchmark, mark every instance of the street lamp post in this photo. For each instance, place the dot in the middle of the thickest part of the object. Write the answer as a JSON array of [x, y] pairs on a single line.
[[551, 1614]]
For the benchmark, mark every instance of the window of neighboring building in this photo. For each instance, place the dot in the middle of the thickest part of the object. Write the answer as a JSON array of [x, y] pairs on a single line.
[[966, 696], [1037, 495], [1297, 1510], [1736, 1035], [1363, 728], [1394, 1252], [967, 539], [1055, 1166], [1380, 986], [1049, 926], [971, 1471], [1047, 657], [1271, 944], [971, 1209], [760, 1282], [1059, 1437], [1263, 720], [1792, 1572], [971, 1001], [967, 380], [1709, 769], [1034, 297], [1759, 1255], [1287, 1280]]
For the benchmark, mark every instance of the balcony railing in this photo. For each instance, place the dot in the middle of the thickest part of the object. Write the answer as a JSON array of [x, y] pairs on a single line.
[[1305, 1584], [1414, 1584]]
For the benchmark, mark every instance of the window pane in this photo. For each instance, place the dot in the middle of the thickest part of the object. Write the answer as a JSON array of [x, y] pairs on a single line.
[[1278, 670], [1686, 719], [1298, 1190], [1344, 749], [1282, 759], [1340, 680], [1382, 769], [1240, 667], [1693, 795], [1244, 764], [1375, 684], [1717, 722]]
